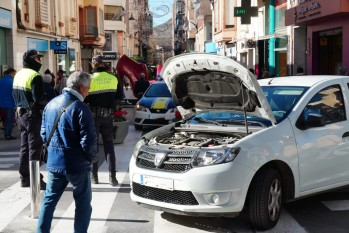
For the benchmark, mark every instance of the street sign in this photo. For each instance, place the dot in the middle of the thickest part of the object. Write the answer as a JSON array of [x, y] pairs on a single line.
[[246, 11]]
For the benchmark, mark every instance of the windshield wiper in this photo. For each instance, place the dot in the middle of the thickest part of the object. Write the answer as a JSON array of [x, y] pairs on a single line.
[[251, 123], [202, 120]]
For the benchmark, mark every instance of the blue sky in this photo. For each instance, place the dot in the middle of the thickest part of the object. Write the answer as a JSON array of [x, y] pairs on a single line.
[[162, 10]]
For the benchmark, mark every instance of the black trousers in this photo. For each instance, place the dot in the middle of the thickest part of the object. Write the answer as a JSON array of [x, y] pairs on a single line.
[[104, 126], [31, 143]]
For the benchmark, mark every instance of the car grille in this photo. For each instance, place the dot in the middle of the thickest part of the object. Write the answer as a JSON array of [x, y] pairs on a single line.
[[171, 161], [158, 110], [159, 121], [167, 196]]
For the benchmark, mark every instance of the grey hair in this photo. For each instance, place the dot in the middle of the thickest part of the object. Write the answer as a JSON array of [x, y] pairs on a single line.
[[78, 78], [47, 78]]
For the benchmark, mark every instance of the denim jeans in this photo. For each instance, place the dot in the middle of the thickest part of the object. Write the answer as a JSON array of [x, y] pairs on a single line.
[[10, 116], [82, 194]]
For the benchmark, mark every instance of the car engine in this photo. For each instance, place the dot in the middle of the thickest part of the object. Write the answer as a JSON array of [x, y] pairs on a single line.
[[198, 139]]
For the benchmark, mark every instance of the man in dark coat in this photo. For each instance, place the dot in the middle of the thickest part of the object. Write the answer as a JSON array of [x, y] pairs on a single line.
[[141, 86]]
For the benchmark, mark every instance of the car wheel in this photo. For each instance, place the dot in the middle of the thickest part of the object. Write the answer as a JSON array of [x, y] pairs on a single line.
[[138, 127], [265, 199]]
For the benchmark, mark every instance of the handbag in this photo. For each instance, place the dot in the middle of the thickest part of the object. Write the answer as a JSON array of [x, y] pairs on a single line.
[[44, 153]]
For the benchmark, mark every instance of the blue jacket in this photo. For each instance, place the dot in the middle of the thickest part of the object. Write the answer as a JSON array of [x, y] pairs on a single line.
[[6, 98], [73, 145]]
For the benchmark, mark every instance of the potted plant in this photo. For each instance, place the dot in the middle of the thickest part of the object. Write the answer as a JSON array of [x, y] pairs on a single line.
[[120, 126]]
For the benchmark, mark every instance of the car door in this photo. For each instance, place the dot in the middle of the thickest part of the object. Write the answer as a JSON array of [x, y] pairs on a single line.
[[324, 150]]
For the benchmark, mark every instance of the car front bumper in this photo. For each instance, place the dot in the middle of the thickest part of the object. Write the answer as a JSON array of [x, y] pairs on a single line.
[[217, 190]]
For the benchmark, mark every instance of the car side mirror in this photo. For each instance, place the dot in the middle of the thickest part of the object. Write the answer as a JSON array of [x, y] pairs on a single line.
[[313, 120]]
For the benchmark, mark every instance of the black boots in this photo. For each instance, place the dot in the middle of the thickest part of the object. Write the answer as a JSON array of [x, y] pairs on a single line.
[[112, 179], [26, 183], [94, 178]]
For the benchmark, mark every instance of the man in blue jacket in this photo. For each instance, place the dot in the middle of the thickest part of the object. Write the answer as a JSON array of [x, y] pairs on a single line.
[[72, 150], [7, 103]]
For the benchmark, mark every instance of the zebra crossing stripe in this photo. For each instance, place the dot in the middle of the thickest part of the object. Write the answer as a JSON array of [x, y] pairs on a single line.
[[13, 199], [337, 205], [101, 204]]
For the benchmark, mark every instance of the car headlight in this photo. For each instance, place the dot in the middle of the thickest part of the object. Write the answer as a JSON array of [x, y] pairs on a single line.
[[138, 146], [210, 157], [140, 107]]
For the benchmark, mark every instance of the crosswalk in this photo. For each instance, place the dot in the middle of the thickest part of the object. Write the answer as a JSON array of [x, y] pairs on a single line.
[[114, 212], [8, 159]]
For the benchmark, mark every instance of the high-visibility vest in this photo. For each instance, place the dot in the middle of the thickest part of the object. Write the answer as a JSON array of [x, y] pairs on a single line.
[[102, 82], [23, 79]]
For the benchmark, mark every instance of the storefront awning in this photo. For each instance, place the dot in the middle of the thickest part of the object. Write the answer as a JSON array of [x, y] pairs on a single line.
[[267, 37]]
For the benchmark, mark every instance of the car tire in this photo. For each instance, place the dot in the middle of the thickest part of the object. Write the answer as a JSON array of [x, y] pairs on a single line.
[[265, 199], [138, 127]]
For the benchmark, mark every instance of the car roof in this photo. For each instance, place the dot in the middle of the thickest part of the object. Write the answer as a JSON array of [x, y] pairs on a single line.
[[302, 81]]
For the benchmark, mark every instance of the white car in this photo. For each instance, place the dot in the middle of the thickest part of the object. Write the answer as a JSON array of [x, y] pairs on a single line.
[[242, 143]]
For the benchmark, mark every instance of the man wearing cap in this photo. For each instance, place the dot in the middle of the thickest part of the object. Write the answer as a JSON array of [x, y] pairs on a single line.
[[30, 99], [102, 101]]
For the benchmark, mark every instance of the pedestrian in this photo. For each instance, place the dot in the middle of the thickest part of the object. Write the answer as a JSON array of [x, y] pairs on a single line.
[[141, 85], [102, 101], [52, 83], [342, 71], [30, 100], [60, 82], [48, 88], [300, 71], [7, 103], [71, 151], [265, 73]]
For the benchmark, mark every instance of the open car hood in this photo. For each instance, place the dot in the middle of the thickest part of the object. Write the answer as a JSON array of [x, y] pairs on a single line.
[[207, 82]]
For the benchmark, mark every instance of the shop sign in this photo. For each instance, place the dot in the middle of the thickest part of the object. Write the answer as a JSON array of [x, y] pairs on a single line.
[[246, 11], [59, 46], [110, 56], [39, 45], [5, 18]]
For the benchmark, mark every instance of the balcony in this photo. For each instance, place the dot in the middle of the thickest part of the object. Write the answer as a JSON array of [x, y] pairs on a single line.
[[89, 35]]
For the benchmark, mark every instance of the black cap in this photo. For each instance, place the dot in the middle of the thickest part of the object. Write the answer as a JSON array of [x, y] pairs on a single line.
[[31, 54], [97, 58]]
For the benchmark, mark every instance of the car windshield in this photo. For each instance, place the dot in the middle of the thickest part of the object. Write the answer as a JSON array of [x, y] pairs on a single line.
[[158, 90], [282, 99]]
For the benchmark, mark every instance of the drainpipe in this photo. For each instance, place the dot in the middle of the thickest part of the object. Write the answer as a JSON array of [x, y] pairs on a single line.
[[272, 40]]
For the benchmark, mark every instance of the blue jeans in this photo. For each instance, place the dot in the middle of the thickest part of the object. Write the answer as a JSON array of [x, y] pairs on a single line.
[[56, 184], [10, 116]]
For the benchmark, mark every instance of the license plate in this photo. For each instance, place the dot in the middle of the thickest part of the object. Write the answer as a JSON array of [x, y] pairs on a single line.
[[156, 182]]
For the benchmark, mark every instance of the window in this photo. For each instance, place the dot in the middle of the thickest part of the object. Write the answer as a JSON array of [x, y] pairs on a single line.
[[91, 21], [108, 42], [329, 103], [101, 21], [113, 13]]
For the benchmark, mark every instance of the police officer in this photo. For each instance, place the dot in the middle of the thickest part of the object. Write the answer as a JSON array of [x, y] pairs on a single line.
[[30, 99], [102, 101]]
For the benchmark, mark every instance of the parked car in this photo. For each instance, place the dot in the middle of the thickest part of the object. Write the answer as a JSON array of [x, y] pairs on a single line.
[[243, 144], [155, 108]]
